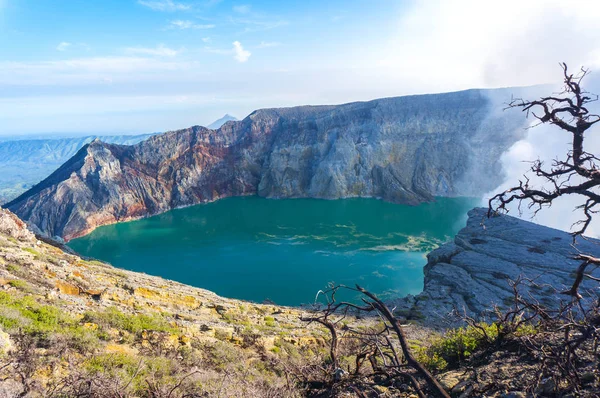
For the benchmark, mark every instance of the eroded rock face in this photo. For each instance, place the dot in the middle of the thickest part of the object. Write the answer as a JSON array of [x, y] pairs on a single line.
[[404, 150], [472, 273], [12, 226]]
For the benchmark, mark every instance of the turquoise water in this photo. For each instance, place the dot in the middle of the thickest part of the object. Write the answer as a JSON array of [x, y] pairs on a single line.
[[283, 250]]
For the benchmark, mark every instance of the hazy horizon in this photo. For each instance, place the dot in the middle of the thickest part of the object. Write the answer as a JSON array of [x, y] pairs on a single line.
[[66, 134]]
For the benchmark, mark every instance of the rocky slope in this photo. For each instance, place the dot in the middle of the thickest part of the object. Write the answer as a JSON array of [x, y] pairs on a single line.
[[25, 162], [405, 150], [65, 321], [472, 273]]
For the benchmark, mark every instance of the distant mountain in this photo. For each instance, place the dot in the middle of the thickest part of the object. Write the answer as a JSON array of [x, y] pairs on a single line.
[[218, 123], [404, 150], [25, 162]]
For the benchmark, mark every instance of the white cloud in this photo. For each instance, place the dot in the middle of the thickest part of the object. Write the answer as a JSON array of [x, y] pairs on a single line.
[[164, 5], [161, 51], [240, 54], [242, 9], [184, 24], [63, 46], [206, 40], [267, 44]]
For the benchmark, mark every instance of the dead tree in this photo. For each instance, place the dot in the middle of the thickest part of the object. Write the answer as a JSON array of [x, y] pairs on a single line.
[[384, 354], [578, 174], [570, 332]]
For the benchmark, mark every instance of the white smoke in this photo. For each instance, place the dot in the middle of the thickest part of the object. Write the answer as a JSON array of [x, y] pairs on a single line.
[[500, 44], [546, 143], [513, 43]]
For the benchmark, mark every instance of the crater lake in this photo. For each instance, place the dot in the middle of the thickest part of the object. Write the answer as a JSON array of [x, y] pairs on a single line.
[[283, 251]]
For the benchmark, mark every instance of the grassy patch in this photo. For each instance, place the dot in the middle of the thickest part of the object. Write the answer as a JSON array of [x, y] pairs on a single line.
[[32, 251], [19, 284], [136, 323], [112, 363], [13, 269], [43, 321]]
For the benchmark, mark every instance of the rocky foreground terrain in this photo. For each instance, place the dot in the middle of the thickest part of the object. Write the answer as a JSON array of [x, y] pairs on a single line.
[[405, 150]]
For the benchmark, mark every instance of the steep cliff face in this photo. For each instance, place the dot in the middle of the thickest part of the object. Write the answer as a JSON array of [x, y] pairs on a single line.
[[473, 273], [25, 162], [404, 150]]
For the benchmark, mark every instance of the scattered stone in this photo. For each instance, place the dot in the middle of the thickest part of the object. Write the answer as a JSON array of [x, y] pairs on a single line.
[[546, 387], [11, 389], [6, 344], [461, 386], [450, 379]]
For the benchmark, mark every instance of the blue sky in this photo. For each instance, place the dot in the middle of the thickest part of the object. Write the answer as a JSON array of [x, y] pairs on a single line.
[[132, 66]]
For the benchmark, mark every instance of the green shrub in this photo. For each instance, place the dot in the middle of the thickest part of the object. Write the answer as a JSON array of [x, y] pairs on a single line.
[[456, 346], [19, 284], [112, 363], [135, 323], [431, 360], [526, 329], [32, 251], [44, 321], [13, 269]]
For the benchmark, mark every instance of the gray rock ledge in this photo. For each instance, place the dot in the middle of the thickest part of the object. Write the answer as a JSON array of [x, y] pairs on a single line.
[[473, 272]]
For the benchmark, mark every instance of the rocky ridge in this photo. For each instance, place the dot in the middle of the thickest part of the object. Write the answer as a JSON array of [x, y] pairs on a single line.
[[219, 122], [473, 272], [404, 150], [26, 161]]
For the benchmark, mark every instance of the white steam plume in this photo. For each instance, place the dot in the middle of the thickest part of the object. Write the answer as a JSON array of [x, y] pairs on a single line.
[[548, 142]]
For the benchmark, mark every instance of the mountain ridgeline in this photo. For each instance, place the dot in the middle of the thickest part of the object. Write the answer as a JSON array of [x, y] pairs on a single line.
[[26, 161], [404, 150]]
